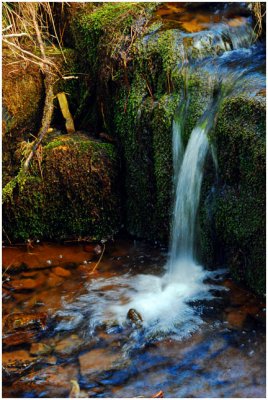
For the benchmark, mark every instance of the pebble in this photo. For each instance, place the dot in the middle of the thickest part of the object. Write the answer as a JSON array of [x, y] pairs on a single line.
[[38, 349], [62, 272]]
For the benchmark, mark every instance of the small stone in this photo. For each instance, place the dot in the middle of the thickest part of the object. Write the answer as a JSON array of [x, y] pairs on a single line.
[[54, 280], [62, 272], [21, 284], [50, 360], [40, 349], [236, 319], [97, 250], [68, 346]]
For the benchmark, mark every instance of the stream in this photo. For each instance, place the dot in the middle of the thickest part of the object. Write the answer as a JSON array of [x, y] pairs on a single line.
[[223, 356], [129, 318]]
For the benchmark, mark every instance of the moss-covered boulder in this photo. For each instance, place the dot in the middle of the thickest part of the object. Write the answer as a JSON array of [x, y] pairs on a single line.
[[71, 191], [233, 216]]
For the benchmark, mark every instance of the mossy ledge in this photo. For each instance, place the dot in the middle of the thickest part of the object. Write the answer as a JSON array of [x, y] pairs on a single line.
[[70, 192], [232, 218]]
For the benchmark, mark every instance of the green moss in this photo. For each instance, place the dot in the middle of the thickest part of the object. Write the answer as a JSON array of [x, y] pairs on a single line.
[[239, 203], [72, 193], [162, 118], [22, 96]]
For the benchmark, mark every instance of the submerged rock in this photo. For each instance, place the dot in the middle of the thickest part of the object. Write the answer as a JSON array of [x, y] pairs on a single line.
[[15, 363], [21, 328], [52, 381], [40, 349], [68, 346], [21, 321], [135, 317], [98, 361], [62, 272]]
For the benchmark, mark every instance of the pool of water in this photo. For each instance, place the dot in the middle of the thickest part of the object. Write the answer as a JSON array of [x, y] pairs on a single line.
[[59, 334]]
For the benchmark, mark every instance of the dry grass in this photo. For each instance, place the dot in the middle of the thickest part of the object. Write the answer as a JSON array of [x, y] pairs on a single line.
[[259, 11]]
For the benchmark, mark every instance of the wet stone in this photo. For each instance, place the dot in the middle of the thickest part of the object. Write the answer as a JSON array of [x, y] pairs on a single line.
[[52, 381], [68, 346], [98, 361], [30, 283], [54, 280], [50, 360], [22, 321], [16, 362], [236, 319], [40, 349], [18, 338], [62, 272]]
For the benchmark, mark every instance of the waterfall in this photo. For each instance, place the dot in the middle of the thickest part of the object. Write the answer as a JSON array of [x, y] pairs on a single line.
[[188, 184]]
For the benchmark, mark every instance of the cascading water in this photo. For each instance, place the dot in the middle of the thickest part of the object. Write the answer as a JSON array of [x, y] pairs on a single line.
[[188, 187], [164, 301]]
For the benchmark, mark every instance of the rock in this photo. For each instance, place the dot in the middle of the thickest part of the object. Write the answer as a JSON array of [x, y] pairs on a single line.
[[22, 328], [236, 318], [97, 361], [52, 381], [38, 349], [98, 250], [75, 390], [135, 317], [22, 321], [62, 272], [16, 363], [18, 338], [79, 172], [29, 274], [68, 346], [54, 280], [21, 284], [50, 360]]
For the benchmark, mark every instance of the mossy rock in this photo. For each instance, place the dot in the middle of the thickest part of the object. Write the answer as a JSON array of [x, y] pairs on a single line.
[[236, 211], [23, 96], [71, 191]]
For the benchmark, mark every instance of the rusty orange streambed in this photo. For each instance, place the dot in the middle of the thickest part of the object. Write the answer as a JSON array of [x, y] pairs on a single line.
[[225, 357]]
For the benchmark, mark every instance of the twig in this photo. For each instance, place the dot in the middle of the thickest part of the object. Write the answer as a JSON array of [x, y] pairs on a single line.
[[97, 264], [7, 236], [158, 395], [28, 52], [10, 35]]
